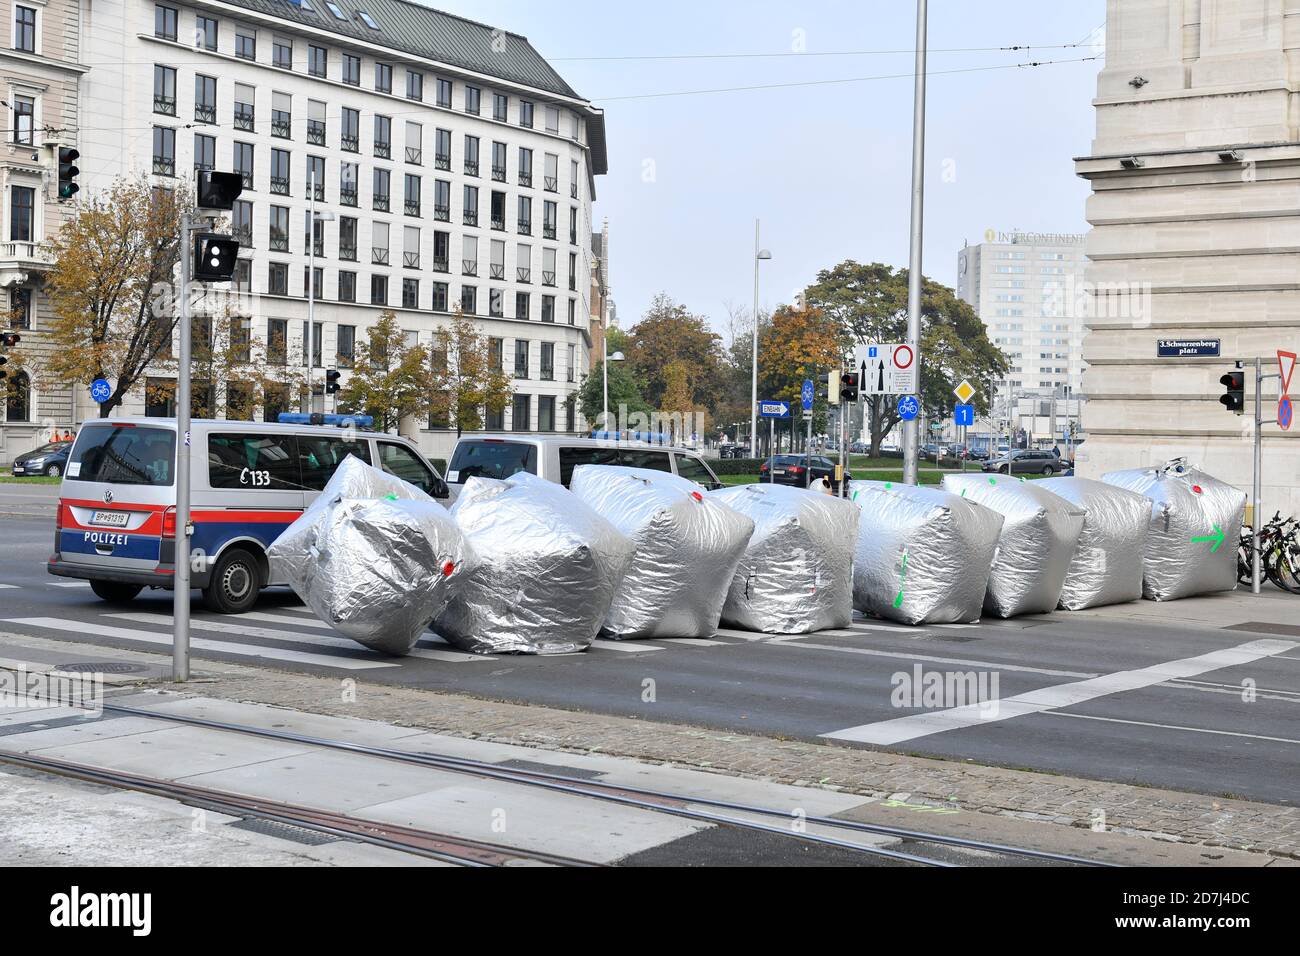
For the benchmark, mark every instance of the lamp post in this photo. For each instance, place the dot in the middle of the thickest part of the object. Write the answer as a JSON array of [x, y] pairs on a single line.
[[604, 368], [759, 255], [911, 431]]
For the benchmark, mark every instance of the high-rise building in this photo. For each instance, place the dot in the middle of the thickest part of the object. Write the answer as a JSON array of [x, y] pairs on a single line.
[[1026, 288], [1195, 170], [451, 167]]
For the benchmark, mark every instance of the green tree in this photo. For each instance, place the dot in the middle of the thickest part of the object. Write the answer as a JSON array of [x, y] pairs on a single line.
[[623, 391], [390, 380], [464, 378], [868, 303], [669, 334], [794, 346]]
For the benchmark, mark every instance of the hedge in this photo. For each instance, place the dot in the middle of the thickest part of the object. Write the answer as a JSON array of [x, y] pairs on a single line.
[[735, 466]]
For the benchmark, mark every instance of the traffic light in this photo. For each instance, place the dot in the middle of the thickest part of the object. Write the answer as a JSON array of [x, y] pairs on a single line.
[[1234, 398], [214, 257], [848, 386], [68, 172], [832, 380], [219, 190], [331, 381]]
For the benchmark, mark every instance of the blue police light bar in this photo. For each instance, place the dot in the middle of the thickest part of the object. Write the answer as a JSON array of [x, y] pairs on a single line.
[[651, 438], [316, 418]]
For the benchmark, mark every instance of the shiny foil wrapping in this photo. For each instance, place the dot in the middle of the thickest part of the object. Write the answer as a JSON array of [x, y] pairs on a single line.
[[548, 569], [1040, 534], [688, 546], [796, 575], [923, 555], [374, 556], [1107, 566], [1190, 512]]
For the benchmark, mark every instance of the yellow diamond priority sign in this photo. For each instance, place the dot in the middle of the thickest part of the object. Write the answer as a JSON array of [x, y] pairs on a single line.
[[964, 391]]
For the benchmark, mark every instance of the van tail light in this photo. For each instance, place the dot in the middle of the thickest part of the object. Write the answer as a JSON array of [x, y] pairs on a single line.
[[169, 523], [58, 517]]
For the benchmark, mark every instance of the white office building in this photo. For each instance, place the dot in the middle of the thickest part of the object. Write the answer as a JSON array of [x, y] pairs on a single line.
[[451, 165]]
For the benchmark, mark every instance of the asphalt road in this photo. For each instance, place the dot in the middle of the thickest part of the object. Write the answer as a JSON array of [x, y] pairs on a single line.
[[1145, 703]]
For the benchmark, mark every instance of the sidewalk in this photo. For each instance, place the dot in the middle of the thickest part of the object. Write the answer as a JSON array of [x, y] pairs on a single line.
[[1031, 809]]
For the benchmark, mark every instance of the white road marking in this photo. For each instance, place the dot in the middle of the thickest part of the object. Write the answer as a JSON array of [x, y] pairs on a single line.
[[908, 656], [68, 584], [695, 641], [8, 587], [87, 629], [1194, 730], [315, 640], [629, 647], [277, 619], [900, 729], [748, 635]]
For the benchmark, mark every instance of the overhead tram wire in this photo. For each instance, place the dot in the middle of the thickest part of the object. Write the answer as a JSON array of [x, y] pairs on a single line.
[[1015, 48]]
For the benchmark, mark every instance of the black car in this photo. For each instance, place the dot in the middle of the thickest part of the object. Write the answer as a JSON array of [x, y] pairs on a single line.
[[1027, 461], [51, 460], [793, 470]]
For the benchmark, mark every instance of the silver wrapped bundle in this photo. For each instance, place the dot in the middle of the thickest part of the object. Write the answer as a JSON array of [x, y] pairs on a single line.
[[922, 555], [796, 575], [687, 549], [1193, 529], [373, 556], [548, 569], [1107, 567], [1040, 533]]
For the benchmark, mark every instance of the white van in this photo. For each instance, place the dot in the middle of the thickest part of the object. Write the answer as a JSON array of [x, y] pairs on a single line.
[[555, 457], [116, 523]]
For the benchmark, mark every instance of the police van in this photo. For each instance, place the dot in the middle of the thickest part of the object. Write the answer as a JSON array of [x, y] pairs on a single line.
[[116, 523]]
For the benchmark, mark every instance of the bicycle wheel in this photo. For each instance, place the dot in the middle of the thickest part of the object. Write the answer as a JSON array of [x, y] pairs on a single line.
[[1285, 568]]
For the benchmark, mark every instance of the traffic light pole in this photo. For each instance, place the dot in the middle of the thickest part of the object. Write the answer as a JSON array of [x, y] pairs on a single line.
[[911, 430], [1255, 490], [181, 557]]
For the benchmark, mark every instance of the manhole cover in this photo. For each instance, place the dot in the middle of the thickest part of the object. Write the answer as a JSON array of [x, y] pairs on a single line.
[[104, 667]]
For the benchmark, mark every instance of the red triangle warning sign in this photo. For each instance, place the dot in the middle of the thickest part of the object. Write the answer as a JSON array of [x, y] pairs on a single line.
[[1286, 365]]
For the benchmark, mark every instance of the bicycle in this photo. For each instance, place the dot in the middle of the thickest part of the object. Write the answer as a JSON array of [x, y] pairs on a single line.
[[1279, 552]]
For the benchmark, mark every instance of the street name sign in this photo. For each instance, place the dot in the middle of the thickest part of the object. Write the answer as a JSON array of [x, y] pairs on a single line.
[[1187, 348], [772, 409]]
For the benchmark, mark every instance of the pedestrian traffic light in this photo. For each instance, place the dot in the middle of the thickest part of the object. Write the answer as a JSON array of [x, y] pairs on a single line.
[[331, 381], [848, 386], [1234, 398], [219, 190], [68, 172], [832, 380], [214, 257]]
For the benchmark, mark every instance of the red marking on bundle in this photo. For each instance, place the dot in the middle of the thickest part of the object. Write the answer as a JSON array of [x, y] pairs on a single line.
[[447, 568], [697, 496], [1197, 489]]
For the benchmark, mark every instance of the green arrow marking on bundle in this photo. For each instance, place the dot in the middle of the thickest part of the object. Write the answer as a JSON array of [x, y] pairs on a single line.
[[898, 601], [1217, 538]]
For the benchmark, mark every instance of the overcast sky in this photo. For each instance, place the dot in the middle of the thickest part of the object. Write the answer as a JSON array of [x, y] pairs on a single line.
[[826, 168]]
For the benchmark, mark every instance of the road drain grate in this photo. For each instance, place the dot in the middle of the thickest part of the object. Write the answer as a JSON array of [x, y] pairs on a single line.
[[102, 667], [284, 831]]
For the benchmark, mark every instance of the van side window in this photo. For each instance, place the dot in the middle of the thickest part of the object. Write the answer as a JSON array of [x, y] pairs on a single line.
[[645, 458], [252, 461], [694, 469], [405, 464], [320, 456], [571, 458]]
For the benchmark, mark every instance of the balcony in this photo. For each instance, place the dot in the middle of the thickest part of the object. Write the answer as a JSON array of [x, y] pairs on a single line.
[[379, 257], [521, 370], [350, 143], [442, 161], [318, 188], [164, 166], [282, 126], [279, 242], [471, 167], [525, 227], [348, 251], [202, 168], [411, 260], [379, 203], [348, 196], [316, 132], [499, 223], [247, 176], [164, 104], [205, 113], [552, 184], [412, 207], [497, 271], [383, 150], [525, 179], [244, 119], [499, 173], [469, 267], [280, 185], [470, 217], [523, 274], [18, 260], [414, 155], [548, 232], [440, 264], [442, 213], [548, 278], [573, 190], [548, 373]]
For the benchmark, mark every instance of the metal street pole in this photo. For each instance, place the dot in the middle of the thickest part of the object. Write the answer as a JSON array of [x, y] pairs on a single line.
[[604, 366], [1255, 491], [311, 297], [844, 461], [759, 255], [911, 472], [181, 558], [771, 450]]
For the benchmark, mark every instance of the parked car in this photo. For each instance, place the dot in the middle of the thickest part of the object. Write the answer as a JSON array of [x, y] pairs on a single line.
[[50, 460], [116, 521], [1027, 461], [793, 470]]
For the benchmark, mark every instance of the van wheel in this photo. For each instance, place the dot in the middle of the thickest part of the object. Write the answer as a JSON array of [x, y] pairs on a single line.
[[235, 583], [115, 592]]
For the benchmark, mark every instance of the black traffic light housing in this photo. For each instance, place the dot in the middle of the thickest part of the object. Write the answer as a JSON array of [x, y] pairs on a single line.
[[3, 361], [1234, 396], [331, 381], [219, 190], [215, 256], [848, 386], [10, 339], [68, 172]]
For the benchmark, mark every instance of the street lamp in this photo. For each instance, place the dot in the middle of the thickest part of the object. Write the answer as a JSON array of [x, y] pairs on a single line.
[[759, 255], [604, 367]]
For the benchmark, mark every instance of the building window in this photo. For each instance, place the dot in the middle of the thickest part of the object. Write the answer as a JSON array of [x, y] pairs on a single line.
[[500, 107], [348, 183], [18, 399], [20, 308], [521, 358], [164, 151], [313, 236], [277, 279], [414, 85], [410, 293], [439, 303], [346, 349], [570, 370], [411, 195], [347, 287], [548, 363], [523, 305], [278, 229], [469, 299], [316, 122], [245, 112], [282, 54], [414, 143], [496, 303], [164, 22], [442, 200], [164, 98], [241, 222], [22, 211], [316, 177], [280, 172], [205, 32], [442, 149], [573, 311], [525, 216], [521, 416], [379, 290], [444, 93], [470, 211], [282, 115], [525, 166], [348, 238], [205, 98], [351, 69], [383, 136], [473, 99], [526, 114], [317, 60], [350, 135], [548, 308], [383, 78], [379, 191], [471, 155], [245, 44], [546, 413], [317, 292], [499, 162]]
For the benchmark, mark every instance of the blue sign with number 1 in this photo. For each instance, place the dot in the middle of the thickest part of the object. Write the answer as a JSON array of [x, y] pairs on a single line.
[[963, 416]]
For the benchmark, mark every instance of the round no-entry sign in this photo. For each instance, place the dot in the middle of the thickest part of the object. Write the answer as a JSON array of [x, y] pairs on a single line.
[[903, 356], [1284, 412]]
